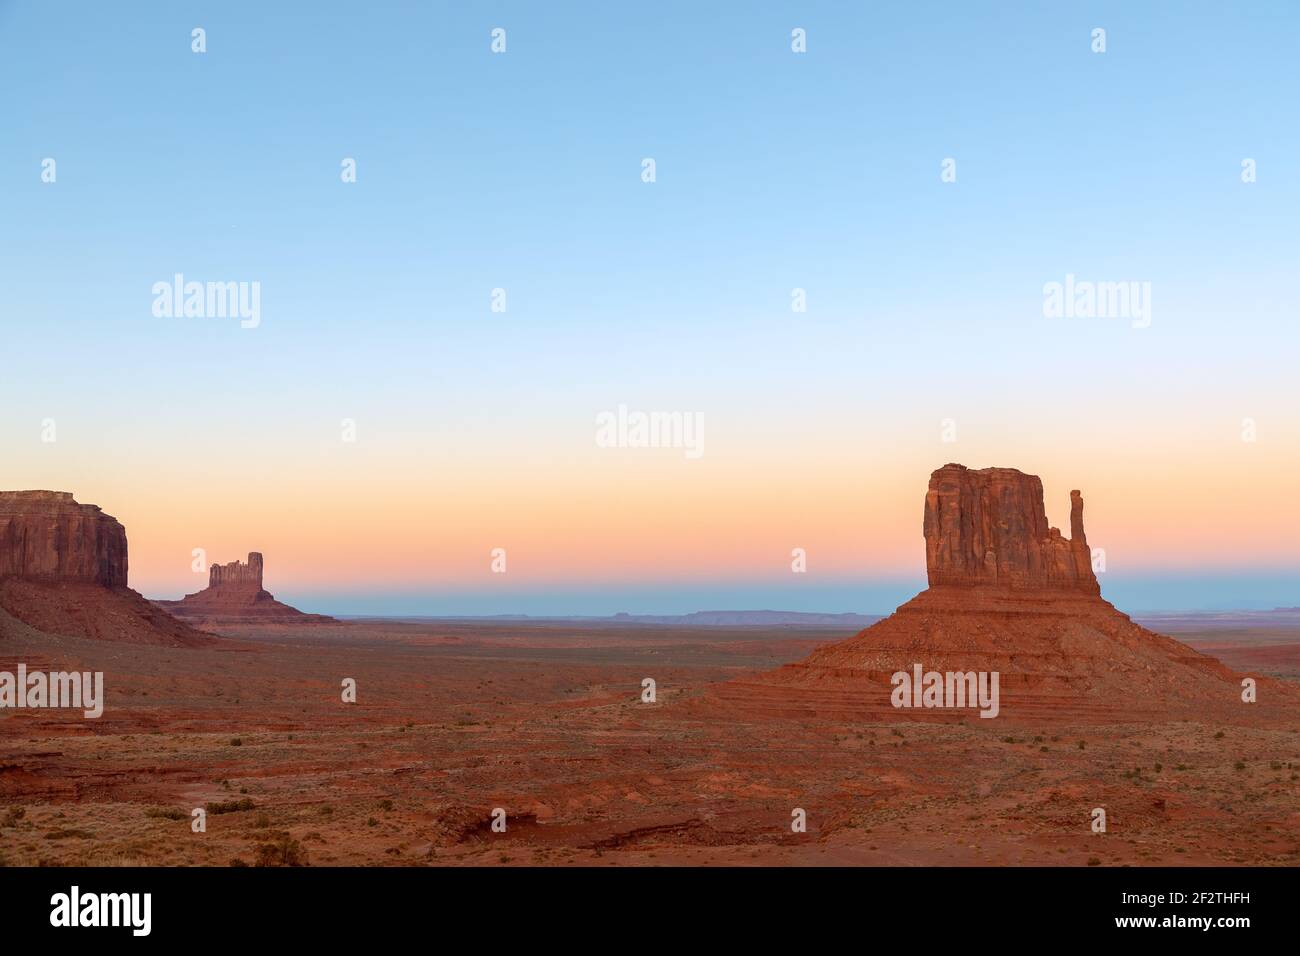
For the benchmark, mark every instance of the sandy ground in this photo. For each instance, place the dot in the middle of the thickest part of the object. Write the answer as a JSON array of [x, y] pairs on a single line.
[[547, 723]]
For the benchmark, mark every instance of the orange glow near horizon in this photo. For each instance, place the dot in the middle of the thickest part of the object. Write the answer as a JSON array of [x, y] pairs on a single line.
[[631, 519]]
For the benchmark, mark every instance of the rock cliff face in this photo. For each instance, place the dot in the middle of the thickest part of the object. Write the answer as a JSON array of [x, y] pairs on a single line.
[[48, 535], [238, 575], [63, 572], [989, 528]]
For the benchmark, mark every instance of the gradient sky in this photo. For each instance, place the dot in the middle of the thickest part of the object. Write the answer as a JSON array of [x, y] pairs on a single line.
[[475, 429]]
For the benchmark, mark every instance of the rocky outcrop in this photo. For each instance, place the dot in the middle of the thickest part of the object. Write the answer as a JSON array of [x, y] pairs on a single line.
[[48, 535], [63, 572], [235, 596], [237, 574], [1011, 596], [989, 528]]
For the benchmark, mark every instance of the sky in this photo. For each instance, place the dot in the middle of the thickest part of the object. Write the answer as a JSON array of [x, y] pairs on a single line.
[[922, 172]]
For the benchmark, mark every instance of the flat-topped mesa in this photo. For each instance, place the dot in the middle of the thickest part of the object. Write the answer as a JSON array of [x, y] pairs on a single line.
[[988, 528], [63, 572], [237, 574], [48, 535]]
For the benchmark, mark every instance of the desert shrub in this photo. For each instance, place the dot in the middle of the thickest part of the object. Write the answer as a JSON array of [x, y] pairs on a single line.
[[281, 850], [236, 742], [230, 806], [166, 813], [385, 805], [69, 833]]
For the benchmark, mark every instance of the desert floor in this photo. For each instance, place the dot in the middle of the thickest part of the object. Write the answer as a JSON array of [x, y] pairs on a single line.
[[453, 720]]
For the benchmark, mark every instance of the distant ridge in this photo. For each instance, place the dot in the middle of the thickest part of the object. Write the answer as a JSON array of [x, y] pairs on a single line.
[[752, 619], [1214, 620], [780, 619]]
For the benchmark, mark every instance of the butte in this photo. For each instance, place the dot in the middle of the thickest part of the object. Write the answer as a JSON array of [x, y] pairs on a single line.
[[1008, 594], [235, 596]]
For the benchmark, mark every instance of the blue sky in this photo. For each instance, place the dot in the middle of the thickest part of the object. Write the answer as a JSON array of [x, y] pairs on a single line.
[[774, 171]]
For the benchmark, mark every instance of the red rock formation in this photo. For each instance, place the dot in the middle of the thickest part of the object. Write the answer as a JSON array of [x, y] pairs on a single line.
[[237, 574], [1008, 595], [235, 595], [63, 572], [46, 534], [989, 527]]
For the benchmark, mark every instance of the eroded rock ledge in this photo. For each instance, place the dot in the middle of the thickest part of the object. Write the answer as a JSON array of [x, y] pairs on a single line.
[[989, 528]]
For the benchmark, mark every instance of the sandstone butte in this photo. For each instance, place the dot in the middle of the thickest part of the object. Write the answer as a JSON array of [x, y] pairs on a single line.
[[1007, 593], [63, 570], [234, 596], [989, 529]]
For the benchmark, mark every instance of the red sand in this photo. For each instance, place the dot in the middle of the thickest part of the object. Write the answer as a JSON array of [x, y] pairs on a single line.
[[453, 720]]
